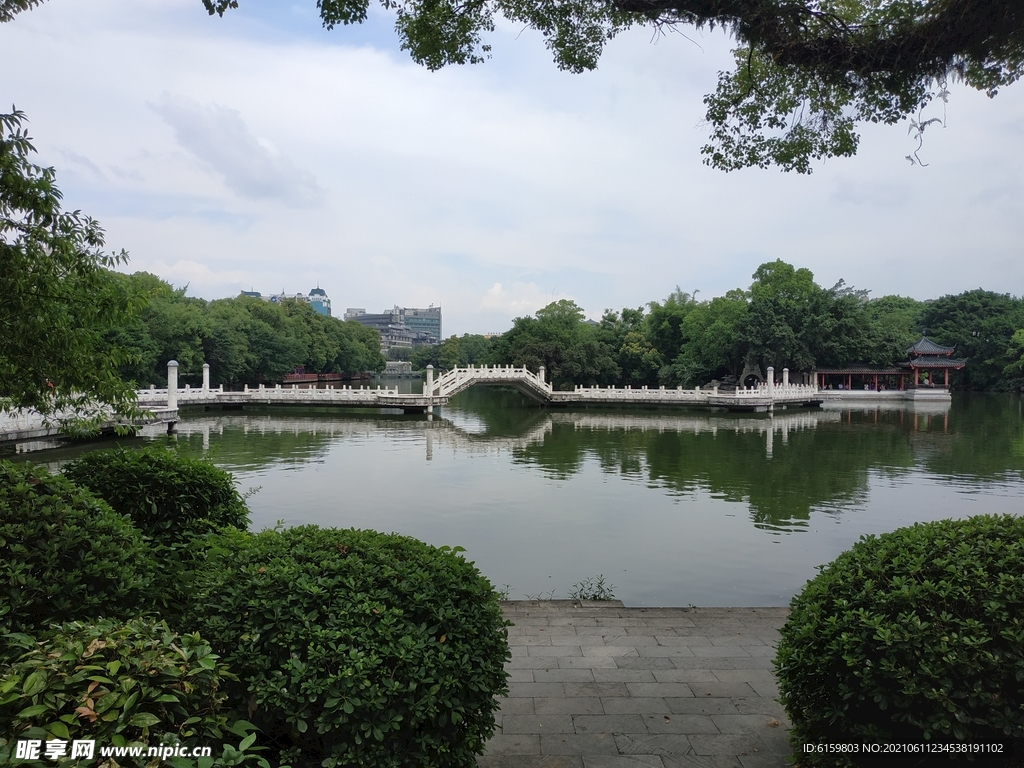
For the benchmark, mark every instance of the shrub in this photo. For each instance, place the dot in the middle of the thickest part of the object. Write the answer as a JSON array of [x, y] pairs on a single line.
[[918, 634], [64, 555], [120, 684], [167, 496], [592, 588], [356, 647]]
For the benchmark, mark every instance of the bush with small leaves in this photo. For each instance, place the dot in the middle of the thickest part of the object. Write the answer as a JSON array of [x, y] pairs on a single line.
[[168, 496], [171, 499], [64, 556], [916, 634], [356, 647], [131, 684]]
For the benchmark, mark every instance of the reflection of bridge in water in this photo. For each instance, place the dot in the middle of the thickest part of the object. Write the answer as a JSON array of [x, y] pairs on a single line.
[[764, 397], [443, 433]]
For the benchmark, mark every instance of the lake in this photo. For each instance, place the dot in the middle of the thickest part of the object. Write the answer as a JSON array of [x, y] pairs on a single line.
[[672, 507]]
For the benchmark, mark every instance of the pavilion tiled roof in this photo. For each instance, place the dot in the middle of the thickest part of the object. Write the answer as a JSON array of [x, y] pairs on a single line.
[[934, 361], [926, 346]]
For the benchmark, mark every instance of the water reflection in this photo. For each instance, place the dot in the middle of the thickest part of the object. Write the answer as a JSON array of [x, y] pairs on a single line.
[[674, 507], [783, 467]]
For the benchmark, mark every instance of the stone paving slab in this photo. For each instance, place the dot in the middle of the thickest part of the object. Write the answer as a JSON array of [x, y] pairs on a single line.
[[599, 685]]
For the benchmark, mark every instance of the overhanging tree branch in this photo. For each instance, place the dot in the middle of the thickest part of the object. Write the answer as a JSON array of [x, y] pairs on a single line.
[[807, 71]]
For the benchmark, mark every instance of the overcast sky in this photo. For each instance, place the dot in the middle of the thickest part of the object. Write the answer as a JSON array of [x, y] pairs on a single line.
[[260, 151]]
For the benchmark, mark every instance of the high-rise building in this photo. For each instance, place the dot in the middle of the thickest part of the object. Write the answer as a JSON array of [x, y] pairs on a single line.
[[319, 301], [425, 321], [401, 326]]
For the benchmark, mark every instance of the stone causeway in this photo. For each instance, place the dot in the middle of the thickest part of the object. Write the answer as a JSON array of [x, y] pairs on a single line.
[[598, 685]]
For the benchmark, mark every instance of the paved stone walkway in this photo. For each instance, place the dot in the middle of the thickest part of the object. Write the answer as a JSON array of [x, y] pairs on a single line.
[[599, 685]]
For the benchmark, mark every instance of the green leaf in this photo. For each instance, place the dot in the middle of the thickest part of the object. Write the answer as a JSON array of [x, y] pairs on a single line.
[[144, 720], [59, 730], [32, 711], [34, 683]]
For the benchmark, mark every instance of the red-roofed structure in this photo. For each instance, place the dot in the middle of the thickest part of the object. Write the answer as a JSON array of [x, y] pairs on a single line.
[[926, 358]]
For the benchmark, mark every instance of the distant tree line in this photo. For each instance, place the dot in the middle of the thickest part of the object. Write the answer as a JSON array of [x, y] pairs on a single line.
[[245, 340], [784, 319]]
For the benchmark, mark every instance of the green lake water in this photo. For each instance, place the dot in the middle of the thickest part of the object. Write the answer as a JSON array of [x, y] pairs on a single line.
[[672, 507]]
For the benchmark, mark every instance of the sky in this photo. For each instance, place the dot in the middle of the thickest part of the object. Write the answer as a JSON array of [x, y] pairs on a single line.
[[260, 151]]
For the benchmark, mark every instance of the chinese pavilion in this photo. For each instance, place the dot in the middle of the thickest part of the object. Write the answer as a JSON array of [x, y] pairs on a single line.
[[928, 358]]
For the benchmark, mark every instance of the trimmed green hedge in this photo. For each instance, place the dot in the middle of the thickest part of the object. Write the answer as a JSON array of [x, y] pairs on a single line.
[[64, 556], [167, 496], [356, 647], [918, 634]]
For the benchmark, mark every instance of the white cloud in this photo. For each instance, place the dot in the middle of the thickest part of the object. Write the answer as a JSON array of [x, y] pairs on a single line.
[[248, 165], [518, 300]]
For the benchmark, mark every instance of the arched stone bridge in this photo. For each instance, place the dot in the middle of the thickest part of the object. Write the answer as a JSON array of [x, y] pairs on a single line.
[[437, 392], [163, 403]]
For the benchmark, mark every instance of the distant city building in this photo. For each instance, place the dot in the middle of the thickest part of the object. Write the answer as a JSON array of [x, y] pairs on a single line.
[[424, 321], [401, 326], [317, 299]]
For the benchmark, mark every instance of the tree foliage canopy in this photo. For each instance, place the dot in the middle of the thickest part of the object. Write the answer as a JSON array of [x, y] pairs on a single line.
[[784, 319], [245, 340], [806, 71], [60, 299]]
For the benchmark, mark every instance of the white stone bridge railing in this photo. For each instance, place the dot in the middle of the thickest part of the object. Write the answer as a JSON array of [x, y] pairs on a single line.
[[219, 394], [450, 383], [761, 392], [535, 385]]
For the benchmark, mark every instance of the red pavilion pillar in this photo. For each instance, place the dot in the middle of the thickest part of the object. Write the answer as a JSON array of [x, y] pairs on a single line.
[[915, 376], [946, 385]]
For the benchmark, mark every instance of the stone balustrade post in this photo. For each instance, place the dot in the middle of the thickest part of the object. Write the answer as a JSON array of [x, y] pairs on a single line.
[[785, 377], [429, 389], [206, 377], [172, 384], [542, 375], [770, 379]]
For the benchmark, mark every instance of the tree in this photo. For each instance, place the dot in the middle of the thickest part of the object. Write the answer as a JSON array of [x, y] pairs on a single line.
[[981, 325], [623, 334], [1015, 352], [559, 339], [60, 299], [664, 323], [782, 316], [893, 328], [806, 71], [715, 344], [839, 331]]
